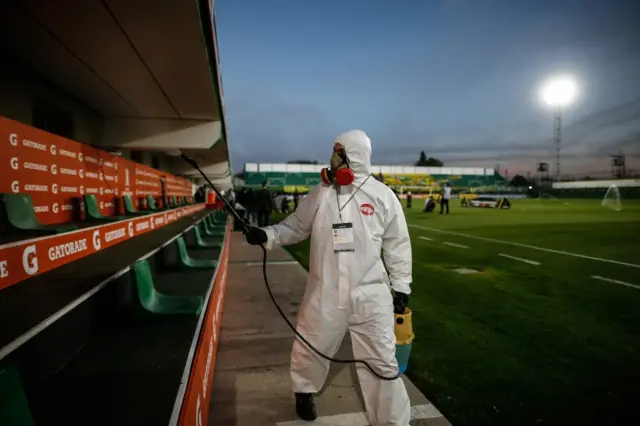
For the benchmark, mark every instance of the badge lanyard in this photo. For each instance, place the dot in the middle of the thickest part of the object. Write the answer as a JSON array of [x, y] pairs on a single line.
[[350, 198]]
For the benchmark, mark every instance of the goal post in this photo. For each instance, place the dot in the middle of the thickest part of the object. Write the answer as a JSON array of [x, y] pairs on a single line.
[[611, 199]]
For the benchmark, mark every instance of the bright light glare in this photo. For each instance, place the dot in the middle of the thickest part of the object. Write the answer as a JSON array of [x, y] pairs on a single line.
[[559, 92]]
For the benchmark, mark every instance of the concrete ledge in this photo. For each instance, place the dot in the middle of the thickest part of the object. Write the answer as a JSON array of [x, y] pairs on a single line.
[[251, 382]]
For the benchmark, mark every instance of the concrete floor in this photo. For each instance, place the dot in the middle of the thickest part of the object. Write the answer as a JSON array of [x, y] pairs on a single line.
[[251, 378]]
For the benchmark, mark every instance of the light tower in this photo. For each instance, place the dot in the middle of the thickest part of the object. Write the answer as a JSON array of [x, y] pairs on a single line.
[[558, 93]]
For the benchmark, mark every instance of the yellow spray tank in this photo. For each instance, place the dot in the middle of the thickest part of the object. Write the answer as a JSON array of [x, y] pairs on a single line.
[[403, 329]]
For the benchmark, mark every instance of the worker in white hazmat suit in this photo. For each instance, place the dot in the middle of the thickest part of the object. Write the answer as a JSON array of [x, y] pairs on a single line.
[[354, 222]]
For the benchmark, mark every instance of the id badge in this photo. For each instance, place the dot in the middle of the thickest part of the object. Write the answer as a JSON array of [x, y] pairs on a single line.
[[342, 237]]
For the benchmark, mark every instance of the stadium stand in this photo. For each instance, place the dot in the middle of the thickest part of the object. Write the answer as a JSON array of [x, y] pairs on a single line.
[[112, 277], [143, 301], [113, 292], [289, 177]]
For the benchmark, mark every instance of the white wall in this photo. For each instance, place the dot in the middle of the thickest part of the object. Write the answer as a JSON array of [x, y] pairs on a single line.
[[18, 86]]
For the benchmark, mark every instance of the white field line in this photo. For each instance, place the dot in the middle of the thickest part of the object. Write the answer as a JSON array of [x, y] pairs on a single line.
[[520, 259], [493, 240], [456, 245], [418, 412], [425, 238], [595, 277]]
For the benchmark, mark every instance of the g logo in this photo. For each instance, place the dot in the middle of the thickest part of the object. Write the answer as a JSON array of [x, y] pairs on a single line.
[[116, 191], [101, 191], [54, 188], [52, 149], [165, 218], [54, 169], [15, 186], [13, 139], [101, 176], [115, 166], [130, 229], [96, 239], [55, 208], [30, 260], [101, 205], [81, 173], [152, 223], [81, 189], [115, 178], [14, 163], [80, 156], [101, 161]]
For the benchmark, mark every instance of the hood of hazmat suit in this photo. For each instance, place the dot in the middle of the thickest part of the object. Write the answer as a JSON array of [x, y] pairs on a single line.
[[349, 290]]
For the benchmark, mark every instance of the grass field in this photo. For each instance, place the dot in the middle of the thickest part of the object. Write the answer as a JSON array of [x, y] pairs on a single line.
[[519, 343]]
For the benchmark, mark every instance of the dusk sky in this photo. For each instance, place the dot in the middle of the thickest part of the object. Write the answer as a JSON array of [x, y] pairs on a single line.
[[458, 79]]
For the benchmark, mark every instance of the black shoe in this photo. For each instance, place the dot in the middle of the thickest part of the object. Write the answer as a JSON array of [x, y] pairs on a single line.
[[305, 407]]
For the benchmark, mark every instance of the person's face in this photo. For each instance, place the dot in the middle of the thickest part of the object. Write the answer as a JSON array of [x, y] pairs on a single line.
[[337, 160]]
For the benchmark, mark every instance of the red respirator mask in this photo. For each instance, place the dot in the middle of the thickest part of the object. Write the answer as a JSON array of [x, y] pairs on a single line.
[[339, 172]]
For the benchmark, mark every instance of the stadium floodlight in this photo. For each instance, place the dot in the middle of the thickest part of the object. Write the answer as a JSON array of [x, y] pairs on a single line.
[[558, 93]]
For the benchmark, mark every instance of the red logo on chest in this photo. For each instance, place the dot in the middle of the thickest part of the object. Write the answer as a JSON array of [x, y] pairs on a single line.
[[367, 209]]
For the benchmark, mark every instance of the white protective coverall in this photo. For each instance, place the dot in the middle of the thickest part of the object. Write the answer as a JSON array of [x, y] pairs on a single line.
[[349, 290]]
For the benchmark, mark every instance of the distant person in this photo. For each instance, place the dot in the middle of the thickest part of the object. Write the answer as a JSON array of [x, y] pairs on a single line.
[[251, 206], [266, 205], [284, 204], [163, 191], [446, 196], [231, 197], [200, 195], [409, 200], [241, 197], [296, 196], [429, 205]]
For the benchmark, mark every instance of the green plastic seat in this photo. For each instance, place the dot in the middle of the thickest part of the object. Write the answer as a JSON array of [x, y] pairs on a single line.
[[209, 231], [185, 201], [187, 262], [151, 203], [130, 209], [14, 407], [213, 223], [216, 227], [93, 212], [159, 303], [200, 242], [21, 216], [176, 202]]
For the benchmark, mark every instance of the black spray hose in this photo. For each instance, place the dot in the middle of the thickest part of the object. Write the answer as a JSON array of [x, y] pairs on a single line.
[[301, 337], [246, 226]]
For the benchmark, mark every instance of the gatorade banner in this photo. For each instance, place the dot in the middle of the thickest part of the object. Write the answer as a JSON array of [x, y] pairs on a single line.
[[25, 259], [197, 398], [55, 170]]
